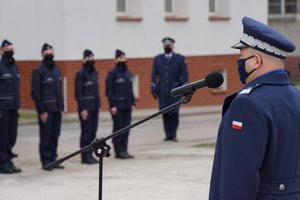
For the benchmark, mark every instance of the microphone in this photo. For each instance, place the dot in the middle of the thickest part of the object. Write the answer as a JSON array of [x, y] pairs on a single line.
[[212, 80]]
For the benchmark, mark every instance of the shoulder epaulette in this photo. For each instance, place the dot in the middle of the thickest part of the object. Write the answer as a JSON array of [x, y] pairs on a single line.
[[249, 90]]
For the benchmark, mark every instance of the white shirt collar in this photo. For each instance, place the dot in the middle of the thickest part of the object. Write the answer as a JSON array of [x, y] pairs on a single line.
[[169, 55]]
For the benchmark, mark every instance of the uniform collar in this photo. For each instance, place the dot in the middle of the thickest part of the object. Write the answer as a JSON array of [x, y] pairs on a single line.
[[8, 61], [272, 72], [276, 77]]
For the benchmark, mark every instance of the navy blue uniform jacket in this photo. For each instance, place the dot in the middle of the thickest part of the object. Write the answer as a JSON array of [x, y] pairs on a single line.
[[46, 89], [119, 89], [257, 155], [166, 76], [9, 86], [87, 89]]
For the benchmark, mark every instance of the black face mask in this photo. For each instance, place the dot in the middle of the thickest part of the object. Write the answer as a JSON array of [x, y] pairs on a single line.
[[121, 66], [48, 59], [90, 64], [241, 63], [8, 55], [168, 50]]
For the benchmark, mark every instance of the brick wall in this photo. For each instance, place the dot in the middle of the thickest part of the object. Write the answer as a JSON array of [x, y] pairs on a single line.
[[292, 65], [198, 66]]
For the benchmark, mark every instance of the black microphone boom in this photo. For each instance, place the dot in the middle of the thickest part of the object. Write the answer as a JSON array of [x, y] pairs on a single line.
[[212, 80]]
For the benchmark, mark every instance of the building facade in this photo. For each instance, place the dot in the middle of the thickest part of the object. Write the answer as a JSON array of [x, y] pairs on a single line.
[[284, 15], [204, 31]]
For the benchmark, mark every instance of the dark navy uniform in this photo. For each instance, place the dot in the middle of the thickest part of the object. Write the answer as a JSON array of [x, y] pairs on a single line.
[[47, 95], [257, 155], [168, 73], [9, 105], [87, 96], [120, 95]]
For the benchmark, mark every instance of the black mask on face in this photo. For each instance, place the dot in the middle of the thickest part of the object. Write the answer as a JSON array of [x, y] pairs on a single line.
[[8, 55], [90, 64], [122, 66], [168, 50], [241, 63], [48, 59]]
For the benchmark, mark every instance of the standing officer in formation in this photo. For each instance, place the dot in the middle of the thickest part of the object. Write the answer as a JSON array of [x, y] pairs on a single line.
[[87, 96], [121, 102], [47, 95], [9, 105], [257, 155], [169, 71]]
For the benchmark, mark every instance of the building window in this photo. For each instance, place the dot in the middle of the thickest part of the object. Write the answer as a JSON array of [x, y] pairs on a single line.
[[128, 10], [223, 87], [212, 6], [169, 6], [135, 85], [176, 10], [282, 8], [218, 10], [121, 6]]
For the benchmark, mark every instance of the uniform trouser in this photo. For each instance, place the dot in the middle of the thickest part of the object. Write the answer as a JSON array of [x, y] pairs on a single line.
[[171, 122], [8, 134], [88, 131], [49, 134], [121, 120]]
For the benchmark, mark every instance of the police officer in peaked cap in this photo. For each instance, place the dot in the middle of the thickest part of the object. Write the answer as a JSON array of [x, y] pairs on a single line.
[[46, 93], [257, 152], [119, 92], [88, 100], [9, 105], [169, 71]]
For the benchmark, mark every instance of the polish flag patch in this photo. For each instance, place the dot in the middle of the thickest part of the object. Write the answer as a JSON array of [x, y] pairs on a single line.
[[237, 125]]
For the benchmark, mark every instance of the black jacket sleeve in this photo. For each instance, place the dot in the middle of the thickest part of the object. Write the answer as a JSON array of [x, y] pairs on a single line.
[[78, 91], [36, 91], [109, 89]]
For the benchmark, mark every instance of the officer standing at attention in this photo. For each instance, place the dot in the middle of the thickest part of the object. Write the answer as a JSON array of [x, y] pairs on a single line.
[[121, 102], [47, 95], [257, 155], [9, 105], [87, 97], [169, 71]]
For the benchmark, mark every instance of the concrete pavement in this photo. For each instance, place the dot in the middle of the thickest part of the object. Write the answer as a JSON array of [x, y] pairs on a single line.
[[160, 170]]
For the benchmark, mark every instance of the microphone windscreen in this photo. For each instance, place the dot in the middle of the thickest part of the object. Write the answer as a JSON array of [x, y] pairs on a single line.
[[214, 80]]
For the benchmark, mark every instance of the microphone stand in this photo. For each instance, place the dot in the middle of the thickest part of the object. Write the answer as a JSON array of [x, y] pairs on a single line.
[[101, 149]]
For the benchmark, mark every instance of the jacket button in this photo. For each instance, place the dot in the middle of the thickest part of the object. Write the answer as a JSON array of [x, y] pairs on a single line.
[[281, 187]]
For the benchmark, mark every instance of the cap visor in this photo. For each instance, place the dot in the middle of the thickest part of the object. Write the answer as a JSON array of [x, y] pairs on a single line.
[[239, 46]]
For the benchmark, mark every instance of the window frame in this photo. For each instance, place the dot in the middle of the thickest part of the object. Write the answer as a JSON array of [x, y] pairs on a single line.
[[224, 86], [172, 7], [283, 13], [215, 7], [122, 13]]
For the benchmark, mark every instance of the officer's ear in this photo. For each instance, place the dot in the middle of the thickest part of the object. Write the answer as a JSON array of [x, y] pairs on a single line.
[[258, 61]]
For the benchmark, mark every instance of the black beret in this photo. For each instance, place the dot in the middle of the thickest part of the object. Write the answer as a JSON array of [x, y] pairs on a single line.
[[5, 43], [87, 53], [46, 47], [168, 41], [119, 53]]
